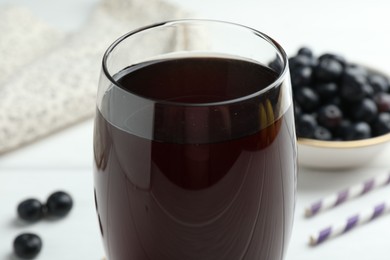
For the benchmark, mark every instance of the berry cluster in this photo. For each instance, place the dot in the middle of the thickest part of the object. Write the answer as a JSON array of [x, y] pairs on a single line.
[[337, 100], [58, 204]]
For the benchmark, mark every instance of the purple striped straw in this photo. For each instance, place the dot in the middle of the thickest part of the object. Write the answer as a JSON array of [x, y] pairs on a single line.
[[350, 223], [347, 194]]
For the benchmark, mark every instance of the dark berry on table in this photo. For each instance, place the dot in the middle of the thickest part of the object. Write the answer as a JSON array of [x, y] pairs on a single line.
[[327, 91], [333, 56], [381, 125], [358, 131], [307, 98], [322, 133], [305, 126], [379, 83], [301, 76], [330, 116], [382, 101], [30, 210], [59, 204], [328, 70], [305, 51], [364, 110], [27, 246]]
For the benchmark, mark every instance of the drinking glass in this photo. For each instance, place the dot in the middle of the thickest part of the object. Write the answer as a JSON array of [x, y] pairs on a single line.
[[194, 144]]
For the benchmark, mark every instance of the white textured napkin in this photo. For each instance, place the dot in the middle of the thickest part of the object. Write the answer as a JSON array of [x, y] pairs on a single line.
[[48, 81]]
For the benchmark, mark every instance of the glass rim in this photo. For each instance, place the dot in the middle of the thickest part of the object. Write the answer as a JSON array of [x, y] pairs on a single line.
[[278, 81]]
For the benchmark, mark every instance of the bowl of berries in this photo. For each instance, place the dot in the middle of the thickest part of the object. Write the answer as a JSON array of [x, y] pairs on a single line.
[[342, 110]]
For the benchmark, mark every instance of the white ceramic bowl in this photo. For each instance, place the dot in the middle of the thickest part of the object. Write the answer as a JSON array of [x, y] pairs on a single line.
[[339, 154]]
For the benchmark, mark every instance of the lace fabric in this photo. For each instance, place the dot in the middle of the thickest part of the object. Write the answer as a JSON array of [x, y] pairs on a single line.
[[48, 81]]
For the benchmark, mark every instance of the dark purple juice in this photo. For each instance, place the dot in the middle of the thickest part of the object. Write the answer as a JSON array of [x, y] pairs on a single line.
[[206, 182]]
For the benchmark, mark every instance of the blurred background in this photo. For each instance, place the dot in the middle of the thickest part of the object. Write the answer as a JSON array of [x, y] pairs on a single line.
[[357, 29]]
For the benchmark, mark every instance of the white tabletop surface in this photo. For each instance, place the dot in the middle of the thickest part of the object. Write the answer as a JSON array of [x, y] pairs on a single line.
[[358, 29]]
